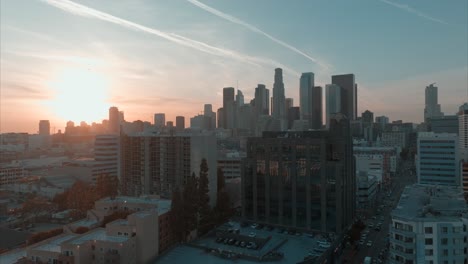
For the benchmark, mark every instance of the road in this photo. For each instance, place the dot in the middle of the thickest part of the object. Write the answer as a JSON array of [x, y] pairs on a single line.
[[387, 200]]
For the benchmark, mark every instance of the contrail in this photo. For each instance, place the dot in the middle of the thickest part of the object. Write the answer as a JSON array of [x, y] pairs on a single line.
[[78, 9], [414, 11], [256, 30]]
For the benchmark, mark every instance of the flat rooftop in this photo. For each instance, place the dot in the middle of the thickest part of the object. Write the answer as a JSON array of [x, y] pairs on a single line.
[[98, 234], [431, 202], [163, 205], [13, 256], [54, 244]]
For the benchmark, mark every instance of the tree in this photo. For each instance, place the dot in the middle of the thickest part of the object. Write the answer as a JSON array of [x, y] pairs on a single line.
[[222, 210], [204, 210], [190, 204], [106, 186], [177, 215], [34, 238], [60, 199], [81, 197]]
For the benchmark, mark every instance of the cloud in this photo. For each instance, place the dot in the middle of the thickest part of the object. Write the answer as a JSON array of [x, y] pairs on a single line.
[[257, 30], [82, 10], [414, 11], [21, 91]]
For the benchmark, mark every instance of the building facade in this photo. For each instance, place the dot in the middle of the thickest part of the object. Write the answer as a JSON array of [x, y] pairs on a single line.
[[432, 107], [348, 94], [429, 225], [106, 156], [437, 161], [279, 99], [291, 178]]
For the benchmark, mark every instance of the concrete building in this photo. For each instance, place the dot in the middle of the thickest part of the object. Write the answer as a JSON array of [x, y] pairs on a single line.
[[396, 139], [293, 115], [429, 225], [139, 238], [11, 175], [366, 189], [348, 94], [262, 100], [463, 144], [333, 101], [201, 122], [114, 125], [159, 120], [157, 164], [44, 127], [432, 107], [208, 112], [228, 108], [371, 165], [389, 155], [292, 178], [180, 123], [317, 112], [381, 121], [106, 156], [437, 161]]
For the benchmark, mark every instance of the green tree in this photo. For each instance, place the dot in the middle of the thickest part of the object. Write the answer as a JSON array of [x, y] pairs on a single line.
[[190, 204], [222, 210], [204, 210]]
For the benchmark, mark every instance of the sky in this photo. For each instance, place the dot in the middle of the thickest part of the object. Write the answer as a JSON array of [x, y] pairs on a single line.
[[72, 60]]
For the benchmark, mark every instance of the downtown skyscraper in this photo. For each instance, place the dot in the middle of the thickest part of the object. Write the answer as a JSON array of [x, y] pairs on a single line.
[[279, 99], [431, 108], [348, 94], [306, 84]]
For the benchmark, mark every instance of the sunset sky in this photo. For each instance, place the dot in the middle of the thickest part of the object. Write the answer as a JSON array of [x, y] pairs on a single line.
[[63, 60]]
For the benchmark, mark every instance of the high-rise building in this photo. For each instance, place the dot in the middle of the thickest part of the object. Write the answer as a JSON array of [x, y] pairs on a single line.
[[208, 112], [157, 164], [220, 115], [239, 98], [279, 104], [463, 144], [262, 100], [159, 120], [180, 123], [432, 108], [333, 101], [317, 112], [437, 161], [106, 156], [348, 94], [303, 179], [228, 107], [44, 127], [444, 124], [367, 117], [121, 117], [293, 115], [114, 124], [289, 103], [381, 121], [306, 85], [429, 226]]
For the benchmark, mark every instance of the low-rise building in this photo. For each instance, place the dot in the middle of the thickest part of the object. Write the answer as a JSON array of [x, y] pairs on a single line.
[[429, 225]]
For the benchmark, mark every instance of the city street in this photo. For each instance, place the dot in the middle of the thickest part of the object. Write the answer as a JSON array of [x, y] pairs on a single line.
[[387, 199]]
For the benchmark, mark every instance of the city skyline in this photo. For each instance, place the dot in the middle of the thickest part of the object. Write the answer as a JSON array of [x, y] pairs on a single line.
[[135, 62]]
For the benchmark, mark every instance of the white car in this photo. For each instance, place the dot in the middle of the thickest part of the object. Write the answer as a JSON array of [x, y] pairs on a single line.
[[252, 234], [369, 243]]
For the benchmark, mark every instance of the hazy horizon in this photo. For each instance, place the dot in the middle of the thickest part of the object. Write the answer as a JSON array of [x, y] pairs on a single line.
[[147, 57]]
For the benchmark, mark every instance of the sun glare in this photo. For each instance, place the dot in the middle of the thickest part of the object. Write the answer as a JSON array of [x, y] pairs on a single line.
[[80, 94]]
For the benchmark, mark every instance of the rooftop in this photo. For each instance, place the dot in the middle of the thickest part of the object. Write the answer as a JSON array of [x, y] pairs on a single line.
[[98, 234], [54, 244], [13, 256], [163, 205], [431, 202]]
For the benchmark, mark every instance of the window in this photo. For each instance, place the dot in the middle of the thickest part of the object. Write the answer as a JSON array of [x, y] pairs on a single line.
[[445, 252], [444, 241], [429, 252], [444, 230], [428, 241], [428, 230]]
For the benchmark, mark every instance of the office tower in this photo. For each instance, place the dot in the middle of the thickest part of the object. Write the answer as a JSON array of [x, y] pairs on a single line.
[[208, 112], [228, 107], [201, 122], [44, 127], [289, 103], [429, 226], [157, 164], [279, 104], [367, 117], [114, 125], [306, 86], [443, 124], [382, 121], [293, 115], [437, 161], [463, 144], [180, 123], [121, 117], [431, 108], [245, 117], [106, 156], [220, 115], [348, 94], [159, 120], [239, 98], [303, 179], [333, 101], [170, 124], [317, 112], [262, 100]]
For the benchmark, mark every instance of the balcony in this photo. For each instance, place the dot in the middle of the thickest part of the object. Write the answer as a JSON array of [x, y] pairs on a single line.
[[402, 232], [403, 243]]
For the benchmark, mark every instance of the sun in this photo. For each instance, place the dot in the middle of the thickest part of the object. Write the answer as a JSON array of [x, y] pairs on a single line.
[[80, 94]]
